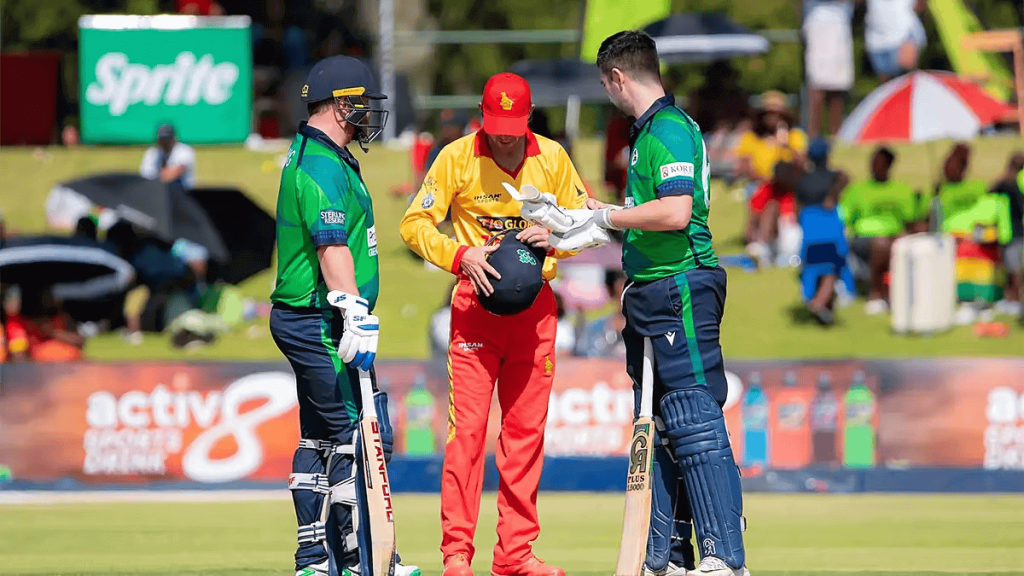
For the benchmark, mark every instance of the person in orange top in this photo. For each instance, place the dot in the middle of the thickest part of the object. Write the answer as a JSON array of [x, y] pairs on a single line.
[[40, 331], [518, 350]]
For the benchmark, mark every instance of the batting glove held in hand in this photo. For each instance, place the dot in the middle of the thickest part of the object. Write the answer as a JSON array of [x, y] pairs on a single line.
[[585, 232], [358, 346]]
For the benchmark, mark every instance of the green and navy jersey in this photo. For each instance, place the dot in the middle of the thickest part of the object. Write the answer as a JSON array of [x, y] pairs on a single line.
[[668, 158], [322, 201]]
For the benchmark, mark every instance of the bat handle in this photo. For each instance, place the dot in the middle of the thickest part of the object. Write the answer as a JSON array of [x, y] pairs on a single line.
[[647, 380], [366, 393]]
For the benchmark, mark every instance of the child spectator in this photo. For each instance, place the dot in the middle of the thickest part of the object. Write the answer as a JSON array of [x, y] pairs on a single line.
[[824, 250]]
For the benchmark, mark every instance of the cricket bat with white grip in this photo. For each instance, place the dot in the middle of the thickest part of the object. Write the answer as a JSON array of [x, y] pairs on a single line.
[[636, 521], [381, 519]]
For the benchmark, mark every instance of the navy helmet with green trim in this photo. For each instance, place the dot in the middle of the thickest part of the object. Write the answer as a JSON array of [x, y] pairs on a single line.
[[521, 268]]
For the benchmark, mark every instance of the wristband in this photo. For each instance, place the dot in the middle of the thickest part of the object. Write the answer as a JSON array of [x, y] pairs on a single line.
[[602, 217]]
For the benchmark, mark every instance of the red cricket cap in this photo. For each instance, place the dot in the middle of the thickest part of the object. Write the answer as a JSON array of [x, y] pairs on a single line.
[[506, 105]]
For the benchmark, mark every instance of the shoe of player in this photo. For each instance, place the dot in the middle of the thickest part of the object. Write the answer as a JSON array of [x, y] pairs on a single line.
[[532, 567], [670, 570], [457, 565], [406, 569], [321, 569], [711, 566]]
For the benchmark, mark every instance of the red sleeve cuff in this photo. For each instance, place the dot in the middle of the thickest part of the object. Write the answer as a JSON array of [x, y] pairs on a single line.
[[457, 261]]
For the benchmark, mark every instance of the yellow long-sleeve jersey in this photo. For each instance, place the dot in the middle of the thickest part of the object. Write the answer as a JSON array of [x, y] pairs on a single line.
[[465, 178]]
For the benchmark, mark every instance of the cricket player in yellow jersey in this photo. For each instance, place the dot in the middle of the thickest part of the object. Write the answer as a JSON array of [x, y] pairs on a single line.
[[516, 351]]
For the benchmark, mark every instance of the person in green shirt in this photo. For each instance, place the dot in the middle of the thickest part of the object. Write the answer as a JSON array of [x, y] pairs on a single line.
[[876, 212], [321, 320], [673, 306], [956, 194]]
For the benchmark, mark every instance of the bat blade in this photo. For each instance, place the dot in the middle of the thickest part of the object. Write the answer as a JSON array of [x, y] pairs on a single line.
[[636, 520], [378, 494]]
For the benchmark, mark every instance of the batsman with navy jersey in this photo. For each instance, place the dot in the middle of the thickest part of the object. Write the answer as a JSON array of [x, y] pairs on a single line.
[[675, 298], [327, 284]]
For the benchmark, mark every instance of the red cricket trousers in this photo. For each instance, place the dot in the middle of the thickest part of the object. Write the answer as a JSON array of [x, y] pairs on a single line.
[[517, 352]]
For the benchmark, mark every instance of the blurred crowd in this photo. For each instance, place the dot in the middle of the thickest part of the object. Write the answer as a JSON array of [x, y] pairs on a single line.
[[170, 292]]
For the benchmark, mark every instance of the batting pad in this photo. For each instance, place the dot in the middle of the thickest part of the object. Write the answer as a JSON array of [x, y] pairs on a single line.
[[695, 427]]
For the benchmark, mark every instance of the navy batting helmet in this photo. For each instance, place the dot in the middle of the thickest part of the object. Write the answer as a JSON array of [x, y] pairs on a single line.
[[520, 267]]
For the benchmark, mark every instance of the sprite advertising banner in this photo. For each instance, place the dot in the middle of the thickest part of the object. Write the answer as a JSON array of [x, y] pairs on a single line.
[[137, 72]]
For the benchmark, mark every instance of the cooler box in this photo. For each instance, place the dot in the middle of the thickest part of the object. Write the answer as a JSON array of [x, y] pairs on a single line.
[[922, 291]]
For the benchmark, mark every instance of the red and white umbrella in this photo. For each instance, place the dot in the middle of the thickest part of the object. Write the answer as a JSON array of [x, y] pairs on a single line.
[[923, 106]]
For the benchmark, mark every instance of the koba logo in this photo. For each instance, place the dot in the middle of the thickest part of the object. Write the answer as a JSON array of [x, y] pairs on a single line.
[[120, 84]]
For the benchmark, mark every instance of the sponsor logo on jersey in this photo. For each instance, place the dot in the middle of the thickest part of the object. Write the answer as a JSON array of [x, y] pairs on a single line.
[[470, 346], [633, 159], [332, 217], [428, 201], [371, 240], [630, 202], [481, 198], [676, 169], [501, 223]]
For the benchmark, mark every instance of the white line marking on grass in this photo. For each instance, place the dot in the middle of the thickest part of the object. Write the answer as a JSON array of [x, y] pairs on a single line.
[[101, 496]]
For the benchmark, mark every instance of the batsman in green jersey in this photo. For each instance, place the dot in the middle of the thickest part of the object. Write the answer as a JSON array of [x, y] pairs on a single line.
[[675, 299], [327, 283]]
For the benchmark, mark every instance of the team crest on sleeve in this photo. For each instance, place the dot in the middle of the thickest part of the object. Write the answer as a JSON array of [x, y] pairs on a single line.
[[676, 169], [428, 201], [332, 217]]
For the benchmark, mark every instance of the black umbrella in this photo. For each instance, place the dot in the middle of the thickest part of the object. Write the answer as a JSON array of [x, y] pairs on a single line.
[[704, 37], [555, 80], [248, 232], [162, 210], [76, 268]]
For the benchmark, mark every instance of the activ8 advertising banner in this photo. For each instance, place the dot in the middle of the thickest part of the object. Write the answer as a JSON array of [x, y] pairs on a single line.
[[137, 72], [210, 423]]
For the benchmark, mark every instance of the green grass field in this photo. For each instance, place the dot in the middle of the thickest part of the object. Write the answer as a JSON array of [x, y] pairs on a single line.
[[787, 535], [759, 320]]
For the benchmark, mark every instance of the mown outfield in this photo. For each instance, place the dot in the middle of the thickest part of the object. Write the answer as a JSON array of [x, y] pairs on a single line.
[[762, 315], [787, 535]]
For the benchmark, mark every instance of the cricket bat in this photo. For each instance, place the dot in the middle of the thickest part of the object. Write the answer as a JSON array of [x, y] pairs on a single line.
[[378, 488], [636, 521]]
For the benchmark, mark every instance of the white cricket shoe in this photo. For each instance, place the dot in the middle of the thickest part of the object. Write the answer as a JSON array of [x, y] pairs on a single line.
[[321, 569], [406, 569], [711, 566], [670, 570]]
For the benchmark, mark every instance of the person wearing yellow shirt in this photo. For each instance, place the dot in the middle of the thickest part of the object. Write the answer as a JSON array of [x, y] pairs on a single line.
[[772, 140], [517, 351]]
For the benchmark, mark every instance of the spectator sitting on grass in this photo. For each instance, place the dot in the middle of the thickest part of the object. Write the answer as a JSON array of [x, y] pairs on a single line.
[[824, 251], [1011, 185], [772, 206], [38, 329], [771, 141], [957, 194], [877, 211], [602, 338]]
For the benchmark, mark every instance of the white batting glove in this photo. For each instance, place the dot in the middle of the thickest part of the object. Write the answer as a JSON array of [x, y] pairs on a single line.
[[358, 346], [540, 208], [585, 233]]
